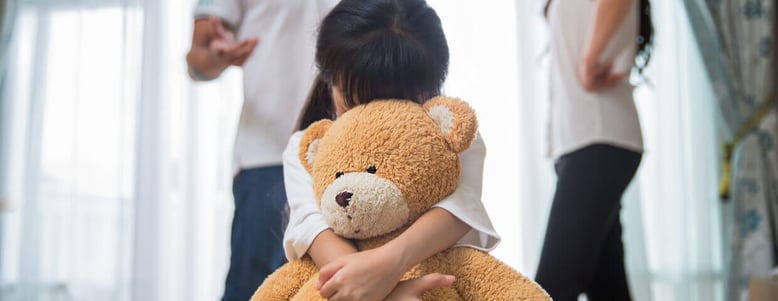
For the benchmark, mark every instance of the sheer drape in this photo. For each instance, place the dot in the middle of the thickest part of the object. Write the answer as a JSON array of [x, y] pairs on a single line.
[[678, 178], [484, 71], [738, 38], [64, 235], [7, 21], [119, 175]]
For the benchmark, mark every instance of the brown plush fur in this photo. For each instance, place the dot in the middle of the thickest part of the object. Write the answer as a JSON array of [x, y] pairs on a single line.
[[397, 159]]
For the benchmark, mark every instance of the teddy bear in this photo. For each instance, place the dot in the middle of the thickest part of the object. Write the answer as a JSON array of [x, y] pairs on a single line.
[[375, 170]]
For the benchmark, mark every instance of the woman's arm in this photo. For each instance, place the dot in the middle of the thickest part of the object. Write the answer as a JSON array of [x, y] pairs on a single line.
[[609, 15]]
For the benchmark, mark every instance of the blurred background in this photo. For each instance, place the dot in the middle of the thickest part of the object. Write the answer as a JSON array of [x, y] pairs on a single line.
[[115, 168]]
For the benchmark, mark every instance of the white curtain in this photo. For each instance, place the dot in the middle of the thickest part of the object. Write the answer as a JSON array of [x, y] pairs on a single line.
[[678, 181], [484, 71], [7, 21], [119, 176]]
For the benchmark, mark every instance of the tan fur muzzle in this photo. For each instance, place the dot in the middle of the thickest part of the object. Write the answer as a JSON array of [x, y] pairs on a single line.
[[362, 205]]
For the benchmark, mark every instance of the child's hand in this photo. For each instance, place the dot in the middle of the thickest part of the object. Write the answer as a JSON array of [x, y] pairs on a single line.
[[368, 275], [411, 290]]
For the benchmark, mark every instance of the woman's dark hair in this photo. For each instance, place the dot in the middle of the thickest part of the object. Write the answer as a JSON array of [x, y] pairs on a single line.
[[377, 49], [645, 37]]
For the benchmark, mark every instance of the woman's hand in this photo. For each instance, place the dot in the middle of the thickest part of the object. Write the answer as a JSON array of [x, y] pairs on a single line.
[[608, 16], [367, 275], [595, 76]]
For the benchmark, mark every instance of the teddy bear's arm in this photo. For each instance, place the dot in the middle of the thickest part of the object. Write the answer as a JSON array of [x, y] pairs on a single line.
[[286, 281], [309, 292], [480, 276]]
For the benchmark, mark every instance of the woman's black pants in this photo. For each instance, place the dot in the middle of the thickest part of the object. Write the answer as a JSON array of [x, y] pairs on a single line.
[[582, 250]]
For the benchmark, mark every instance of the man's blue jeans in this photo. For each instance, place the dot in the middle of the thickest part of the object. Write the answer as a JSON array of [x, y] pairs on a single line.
[[257, 230]]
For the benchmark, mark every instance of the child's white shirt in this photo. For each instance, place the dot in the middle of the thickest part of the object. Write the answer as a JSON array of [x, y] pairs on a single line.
[[306, 222]]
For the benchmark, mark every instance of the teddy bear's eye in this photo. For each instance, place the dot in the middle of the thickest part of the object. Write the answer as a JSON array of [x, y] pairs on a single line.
[[338, 174], [371, 169]]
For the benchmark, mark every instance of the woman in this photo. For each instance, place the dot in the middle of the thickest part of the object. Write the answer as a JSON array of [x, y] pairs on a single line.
[[595, 139]]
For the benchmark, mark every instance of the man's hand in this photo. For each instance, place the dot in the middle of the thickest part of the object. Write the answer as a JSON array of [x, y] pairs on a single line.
[[228, 51], [214, 49]]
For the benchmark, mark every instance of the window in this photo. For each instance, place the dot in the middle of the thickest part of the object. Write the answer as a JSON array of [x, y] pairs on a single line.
[[74, 79]]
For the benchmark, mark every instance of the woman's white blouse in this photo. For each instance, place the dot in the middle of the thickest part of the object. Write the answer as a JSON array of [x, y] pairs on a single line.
[[577, 117], [306, 222]]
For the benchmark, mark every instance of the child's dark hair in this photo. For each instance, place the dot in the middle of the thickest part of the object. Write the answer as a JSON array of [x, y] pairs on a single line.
[[377, 49]]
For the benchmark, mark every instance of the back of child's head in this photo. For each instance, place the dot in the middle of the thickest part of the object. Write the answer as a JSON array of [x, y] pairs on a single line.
[[378, 49]]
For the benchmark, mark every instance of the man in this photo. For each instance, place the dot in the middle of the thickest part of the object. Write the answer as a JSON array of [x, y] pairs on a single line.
[[273, 41]]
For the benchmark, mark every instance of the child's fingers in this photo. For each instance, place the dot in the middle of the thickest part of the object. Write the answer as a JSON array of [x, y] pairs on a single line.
[[328, 290], [328, 285], [413, 289], [327, 272], [428, 282]]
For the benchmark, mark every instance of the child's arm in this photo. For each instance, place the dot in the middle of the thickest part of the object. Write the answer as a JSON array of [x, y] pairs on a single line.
[[377, 271], [465, 202], [460, 219], [373, 274], [328, 246], [307, 231], [305, 220]]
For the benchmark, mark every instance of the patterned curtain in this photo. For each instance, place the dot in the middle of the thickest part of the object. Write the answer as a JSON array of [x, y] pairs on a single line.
[[737, 40]]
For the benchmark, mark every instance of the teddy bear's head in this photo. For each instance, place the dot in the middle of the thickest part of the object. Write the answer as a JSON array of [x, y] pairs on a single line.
[[381, 165]]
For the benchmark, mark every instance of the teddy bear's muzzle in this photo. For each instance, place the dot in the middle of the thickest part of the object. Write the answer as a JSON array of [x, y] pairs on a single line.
[[361, 205]]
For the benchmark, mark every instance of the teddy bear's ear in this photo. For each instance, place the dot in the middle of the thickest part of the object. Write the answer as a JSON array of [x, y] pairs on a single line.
[[455, 118], [309, 143]]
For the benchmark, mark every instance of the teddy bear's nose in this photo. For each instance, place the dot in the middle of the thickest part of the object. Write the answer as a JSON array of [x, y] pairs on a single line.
[[343, 198]]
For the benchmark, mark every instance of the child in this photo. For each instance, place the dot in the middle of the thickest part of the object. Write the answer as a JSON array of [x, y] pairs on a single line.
[[378, 49]]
